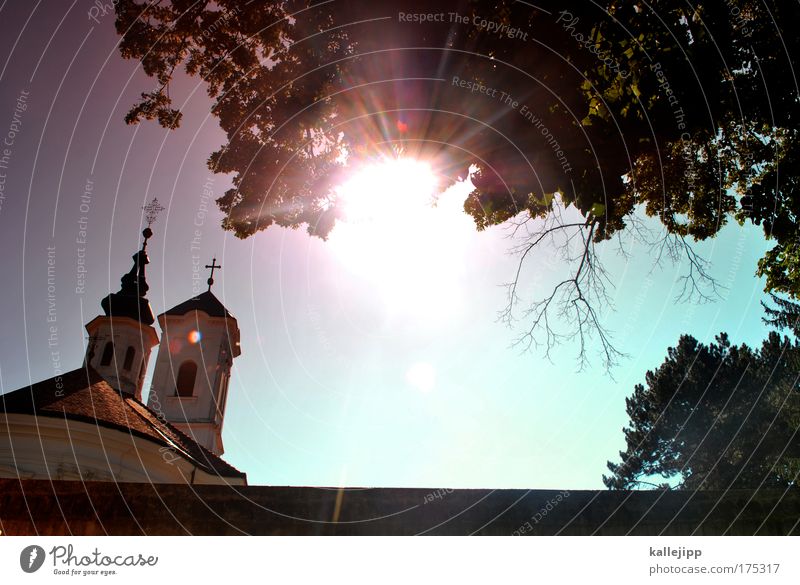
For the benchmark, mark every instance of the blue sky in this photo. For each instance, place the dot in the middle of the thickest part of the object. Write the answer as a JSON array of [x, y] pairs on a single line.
[[320, 394]]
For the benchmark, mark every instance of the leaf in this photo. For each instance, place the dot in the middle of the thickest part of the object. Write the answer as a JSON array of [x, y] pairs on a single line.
[[598, 209]]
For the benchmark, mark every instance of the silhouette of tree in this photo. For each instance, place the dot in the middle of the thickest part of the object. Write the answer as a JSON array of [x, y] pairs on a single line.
[[715, 416], [782, 314]]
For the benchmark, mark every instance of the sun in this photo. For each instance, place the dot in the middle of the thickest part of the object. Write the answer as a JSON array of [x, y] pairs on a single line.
[[392, 191], [403, 240]]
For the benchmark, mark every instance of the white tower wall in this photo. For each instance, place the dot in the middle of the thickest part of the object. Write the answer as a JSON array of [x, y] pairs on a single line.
[[127, 343], [195, 405]]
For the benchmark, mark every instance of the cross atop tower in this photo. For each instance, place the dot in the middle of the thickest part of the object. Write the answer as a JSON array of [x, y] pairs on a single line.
[[151, 211], [212, 266]]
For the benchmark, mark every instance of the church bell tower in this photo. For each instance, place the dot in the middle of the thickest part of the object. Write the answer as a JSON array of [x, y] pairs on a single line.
[[199, 341], [120, 340]]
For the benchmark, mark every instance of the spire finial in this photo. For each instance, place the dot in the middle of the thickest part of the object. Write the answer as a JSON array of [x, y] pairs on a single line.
[[212, 266], [151, 211], [131, 300]]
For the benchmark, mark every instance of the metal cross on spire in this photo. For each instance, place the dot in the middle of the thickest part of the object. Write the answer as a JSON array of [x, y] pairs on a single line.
[[151, 211], [212, 266]]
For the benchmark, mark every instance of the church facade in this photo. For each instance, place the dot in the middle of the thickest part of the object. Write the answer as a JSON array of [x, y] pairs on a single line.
[[91, 424]]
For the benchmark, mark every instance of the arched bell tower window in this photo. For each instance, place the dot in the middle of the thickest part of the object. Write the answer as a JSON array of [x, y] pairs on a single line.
[[108, 354], [128, 363], [186, 377]]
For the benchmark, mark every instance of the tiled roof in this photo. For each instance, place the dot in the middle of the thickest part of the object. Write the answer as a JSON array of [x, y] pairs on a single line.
[[85, 396], [205, 302]]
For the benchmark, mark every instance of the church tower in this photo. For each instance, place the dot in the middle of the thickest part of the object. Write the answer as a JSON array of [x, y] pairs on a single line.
[[199, 340], [120, 340]]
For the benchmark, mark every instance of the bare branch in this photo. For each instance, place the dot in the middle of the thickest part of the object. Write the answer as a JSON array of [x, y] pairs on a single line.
[[697, 284], [571, 302], [572, 310]]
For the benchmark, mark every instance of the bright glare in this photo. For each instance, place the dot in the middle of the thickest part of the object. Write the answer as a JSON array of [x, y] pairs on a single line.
[[422, 376], [393, 191], [403, 239]]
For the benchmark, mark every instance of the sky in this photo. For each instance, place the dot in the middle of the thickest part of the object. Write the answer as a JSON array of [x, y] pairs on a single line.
[[367, 360]]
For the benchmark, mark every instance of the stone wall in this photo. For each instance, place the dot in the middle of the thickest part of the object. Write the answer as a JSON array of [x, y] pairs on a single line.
[[96, 508]]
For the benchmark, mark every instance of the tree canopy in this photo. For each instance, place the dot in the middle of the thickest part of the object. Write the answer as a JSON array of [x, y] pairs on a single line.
[[690, 113], [715, 416]]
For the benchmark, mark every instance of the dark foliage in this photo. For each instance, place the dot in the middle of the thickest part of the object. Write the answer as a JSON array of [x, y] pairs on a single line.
[[715, 416]]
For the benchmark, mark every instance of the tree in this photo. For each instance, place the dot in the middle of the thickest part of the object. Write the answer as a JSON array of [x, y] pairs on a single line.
[[715, 416], [686, 112], [782, 314]]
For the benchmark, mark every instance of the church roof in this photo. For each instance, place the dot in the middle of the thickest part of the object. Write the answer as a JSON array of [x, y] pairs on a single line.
[[86, 397], [205, 302]]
